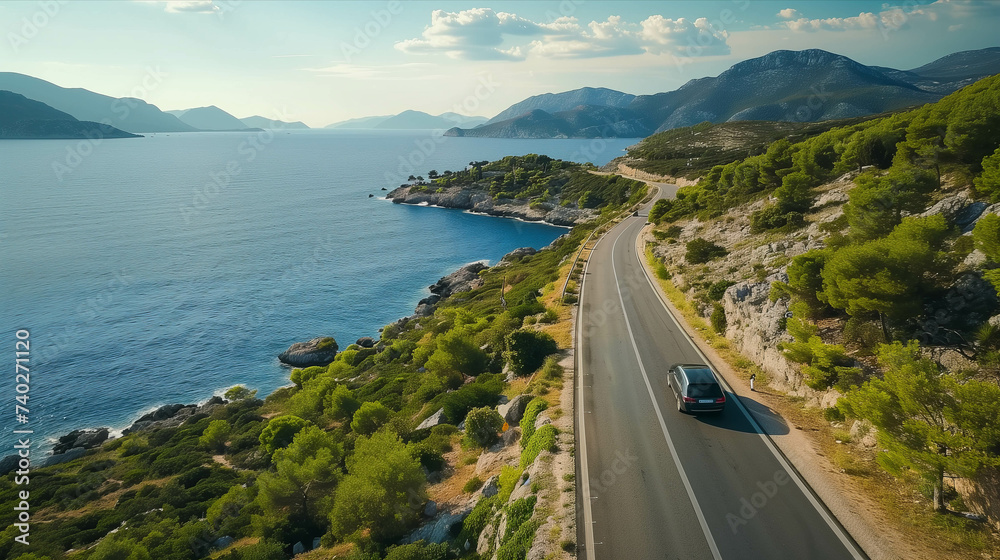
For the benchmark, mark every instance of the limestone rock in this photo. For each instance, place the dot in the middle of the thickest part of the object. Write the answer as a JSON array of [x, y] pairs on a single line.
[[490, 487], [513, 411], [430, 510], [439, 528], [316, 352], [435, 419], [366, 342], [517, 254]]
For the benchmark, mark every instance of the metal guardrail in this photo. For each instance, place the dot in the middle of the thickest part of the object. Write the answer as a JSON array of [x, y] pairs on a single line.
[[562, 295]]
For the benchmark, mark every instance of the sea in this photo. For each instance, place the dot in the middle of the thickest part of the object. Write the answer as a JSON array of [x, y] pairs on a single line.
[[165, 269]]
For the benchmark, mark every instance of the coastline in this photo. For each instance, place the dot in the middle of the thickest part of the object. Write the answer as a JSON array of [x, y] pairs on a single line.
[[441, 289], [476, 201]]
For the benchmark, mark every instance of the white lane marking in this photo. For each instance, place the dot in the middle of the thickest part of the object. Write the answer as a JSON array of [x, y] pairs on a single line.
[[659, 415], [834, 526]]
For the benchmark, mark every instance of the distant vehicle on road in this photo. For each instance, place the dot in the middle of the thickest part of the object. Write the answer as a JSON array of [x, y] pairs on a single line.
[[696, 388]]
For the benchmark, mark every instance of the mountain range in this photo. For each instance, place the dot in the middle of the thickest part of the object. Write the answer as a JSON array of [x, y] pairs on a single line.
[[803, 86], [410, 120], [21, 117]]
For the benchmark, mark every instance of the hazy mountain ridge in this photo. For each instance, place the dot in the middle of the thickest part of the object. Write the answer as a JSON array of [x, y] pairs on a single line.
[[21, 117], [209, 118], [127, 113], [794, 86], [410, 120]]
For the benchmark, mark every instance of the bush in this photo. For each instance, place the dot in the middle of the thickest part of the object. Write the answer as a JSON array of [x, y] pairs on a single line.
[[701, 251], [507, 481], [473, 395], [531, 412], [718, 319], [340, 403], [482, 425], [239, 393], [543, 440], [418, 550], [472, 485], [773, 218], [718, 289], [527, 350], [370, 417], [215, 435], [518, 513], [280, 432]]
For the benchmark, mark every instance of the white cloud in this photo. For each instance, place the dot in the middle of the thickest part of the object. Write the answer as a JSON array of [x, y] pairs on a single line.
[[895, 18], [186, 6], [789, 13], [481, 34]]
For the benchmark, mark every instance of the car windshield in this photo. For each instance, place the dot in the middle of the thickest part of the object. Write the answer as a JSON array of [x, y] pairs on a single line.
[[704, 390]]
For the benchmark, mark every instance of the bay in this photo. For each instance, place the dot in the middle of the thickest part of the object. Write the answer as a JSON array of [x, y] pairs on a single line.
[[164, 269]]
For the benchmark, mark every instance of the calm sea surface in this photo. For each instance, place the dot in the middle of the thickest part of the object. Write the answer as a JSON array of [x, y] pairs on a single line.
[[164, 269]]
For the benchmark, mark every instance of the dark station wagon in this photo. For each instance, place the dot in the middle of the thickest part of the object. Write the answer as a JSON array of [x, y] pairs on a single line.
[[696, 388]]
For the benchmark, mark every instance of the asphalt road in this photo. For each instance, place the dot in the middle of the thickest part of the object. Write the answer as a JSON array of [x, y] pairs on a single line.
[[657, 483]]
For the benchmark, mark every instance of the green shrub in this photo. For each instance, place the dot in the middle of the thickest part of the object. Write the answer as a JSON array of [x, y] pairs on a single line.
[[280, 431], [214, 437], [543, 440], [701, 251], [482, 425], [518, 513], [419, 550], [472, 485], [458, 403], [772, 218], [370, 417], [340, 403], [531, 412], [527, 350], [718, 289], [507, 481], [478, 518], [718, 319], [517, 546]]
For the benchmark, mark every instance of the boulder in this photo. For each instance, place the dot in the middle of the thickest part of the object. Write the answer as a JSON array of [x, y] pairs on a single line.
[[491, 487], [298, 548], [518, 254], [513, 411], [87, 439], [173, 415], [63, 457], [222, 542], [438, 529], [435, 419], [431, 509], [317, 352], [366, 342], [462, 280]]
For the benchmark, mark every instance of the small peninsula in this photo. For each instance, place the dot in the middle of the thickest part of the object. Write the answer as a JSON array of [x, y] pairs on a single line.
[[533, 187]]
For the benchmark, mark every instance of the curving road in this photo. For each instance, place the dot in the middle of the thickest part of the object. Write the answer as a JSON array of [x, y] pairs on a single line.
[[656, 483]]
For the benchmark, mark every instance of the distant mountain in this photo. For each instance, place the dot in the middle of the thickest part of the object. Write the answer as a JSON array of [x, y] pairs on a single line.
[[209, 118], [800, 86], [565, 101], [361, 122], [21, 117], [410, 120], [585, 121], [127, 113], [264, 122]]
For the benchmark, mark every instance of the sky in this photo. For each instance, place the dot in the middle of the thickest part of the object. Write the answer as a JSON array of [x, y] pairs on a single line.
[[323, 62]]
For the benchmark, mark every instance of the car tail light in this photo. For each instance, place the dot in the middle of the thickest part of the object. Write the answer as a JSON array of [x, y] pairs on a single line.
[[720, 400], [689, 399]]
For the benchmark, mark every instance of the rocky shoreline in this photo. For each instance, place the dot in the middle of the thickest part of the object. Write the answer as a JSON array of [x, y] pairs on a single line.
[[480, 202], [77, 442]]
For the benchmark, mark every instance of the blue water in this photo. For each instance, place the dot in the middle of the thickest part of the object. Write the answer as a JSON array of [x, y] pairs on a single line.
[[167, 268]]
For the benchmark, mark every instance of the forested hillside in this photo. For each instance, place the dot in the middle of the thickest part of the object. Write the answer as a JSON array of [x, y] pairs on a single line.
[[882, 241]]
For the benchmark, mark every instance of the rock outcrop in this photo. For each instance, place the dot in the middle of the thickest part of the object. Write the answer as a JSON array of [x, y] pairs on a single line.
[[173, 415], [513, 411], [462, 280], [316, 352], [480, 201], [86, 439]]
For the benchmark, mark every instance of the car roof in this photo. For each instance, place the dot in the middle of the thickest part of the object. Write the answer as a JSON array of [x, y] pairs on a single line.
[[698, 373]]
